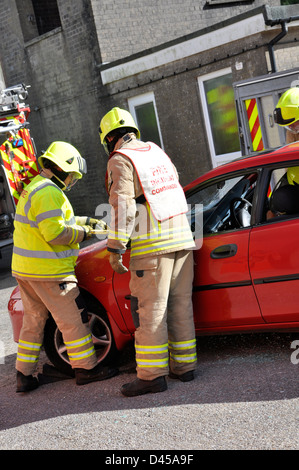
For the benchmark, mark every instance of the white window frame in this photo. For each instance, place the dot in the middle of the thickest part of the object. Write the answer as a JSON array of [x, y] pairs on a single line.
[[2, 81], [216, 159], [144, 99]]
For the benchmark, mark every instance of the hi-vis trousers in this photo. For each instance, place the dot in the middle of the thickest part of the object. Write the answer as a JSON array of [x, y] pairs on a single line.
[[67, 307], [165, 338]]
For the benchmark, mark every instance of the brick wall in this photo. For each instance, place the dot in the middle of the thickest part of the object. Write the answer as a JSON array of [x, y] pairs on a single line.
[[67, 97], [125, 27], [176, 91], [65, 84]]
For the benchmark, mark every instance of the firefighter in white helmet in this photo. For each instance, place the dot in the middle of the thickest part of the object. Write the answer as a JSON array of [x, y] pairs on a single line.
[[46, 246], [149, 209]]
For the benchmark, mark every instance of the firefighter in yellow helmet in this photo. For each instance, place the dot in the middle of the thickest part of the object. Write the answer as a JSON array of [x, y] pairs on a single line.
[[293, 175], [46, 246], [286, 114], [149, 209]]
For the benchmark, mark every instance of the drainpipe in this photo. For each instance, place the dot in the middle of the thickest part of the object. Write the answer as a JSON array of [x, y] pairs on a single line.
[[284, 31]]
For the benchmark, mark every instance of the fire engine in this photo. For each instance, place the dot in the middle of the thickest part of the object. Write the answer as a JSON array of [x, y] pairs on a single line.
[[18, 162], [256, 99]]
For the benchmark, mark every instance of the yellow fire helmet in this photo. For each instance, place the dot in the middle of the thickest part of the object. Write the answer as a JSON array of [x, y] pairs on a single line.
[[287, 108], [66, 157], [116, 118], [293, 175]]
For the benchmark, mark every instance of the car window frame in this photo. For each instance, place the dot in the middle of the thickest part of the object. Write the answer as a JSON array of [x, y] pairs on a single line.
[[264, 185], [225, 176]]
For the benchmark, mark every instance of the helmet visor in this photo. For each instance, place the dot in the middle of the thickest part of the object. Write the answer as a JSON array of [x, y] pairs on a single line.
[[82, 166], [71, 180], [285, 116]]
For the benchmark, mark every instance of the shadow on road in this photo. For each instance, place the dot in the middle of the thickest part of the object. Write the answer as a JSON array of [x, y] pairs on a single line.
[[240, 368]]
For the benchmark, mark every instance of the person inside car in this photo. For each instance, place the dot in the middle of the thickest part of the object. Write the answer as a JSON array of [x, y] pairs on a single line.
[[284, 201]]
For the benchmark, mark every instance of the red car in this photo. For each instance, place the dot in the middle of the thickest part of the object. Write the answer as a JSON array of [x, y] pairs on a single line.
[[246, 265]]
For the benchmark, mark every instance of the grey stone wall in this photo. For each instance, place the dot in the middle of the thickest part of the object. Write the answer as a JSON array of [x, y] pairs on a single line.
[[176, 91], [65, 84], [67, 97], [126, 27]]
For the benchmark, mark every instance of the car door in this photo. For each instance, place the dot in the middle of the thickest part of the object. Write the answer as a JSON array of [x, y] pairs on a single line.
[[223, 295], [274, 262]]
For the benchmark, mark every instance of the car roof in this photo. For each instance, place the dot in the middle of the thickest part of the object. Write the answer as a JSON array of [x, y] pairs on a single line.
[[287, 153]]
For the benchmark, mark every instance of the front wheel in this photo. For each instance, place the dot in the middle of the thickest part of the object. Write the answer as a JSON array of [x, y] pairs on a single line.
[[102, 337]]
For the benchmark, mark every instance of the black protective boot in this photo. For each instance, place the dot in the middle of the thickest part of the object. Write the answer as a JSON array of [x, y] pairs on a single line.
[[186, 377], [85, 376], [140, 387], [26, 383]]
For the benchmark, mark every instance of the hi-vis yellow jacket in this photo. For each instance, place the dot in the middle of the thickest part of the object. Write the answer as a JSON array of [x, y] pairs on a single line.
[[46, 235], [132, 217]]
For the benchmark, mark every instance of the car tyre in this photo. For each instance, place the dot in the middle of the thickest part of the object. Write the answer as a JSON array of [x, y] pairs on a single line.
[[102, 338]]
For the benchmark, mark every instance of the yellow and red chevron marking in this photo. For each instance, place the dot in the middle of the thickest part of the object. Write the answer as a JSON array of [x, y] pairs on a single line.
[[10, 174], [19, 163], [254, 125]]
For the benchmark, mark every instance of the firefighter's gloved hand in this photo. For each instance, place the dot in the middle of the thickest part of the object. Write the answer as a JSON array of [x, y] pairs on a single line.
[[102, 225], [116, 263], [88, 232]]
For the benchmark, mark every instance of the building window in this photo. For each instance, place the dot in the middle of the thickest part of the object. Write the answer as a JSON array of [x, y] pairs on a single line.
[[144, 111], [46, 15], [289, 2], [220, 117], [2, 81]]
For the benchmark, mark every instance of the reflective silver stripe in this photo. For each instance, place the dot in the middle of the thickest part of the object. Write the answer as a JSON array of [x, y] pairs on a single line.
[[159, 234], [26, 358], [53, 213], [49, 275], [122, 236], [78, 342], [48, 214], [22, 219], [30, 346], [45, 254], [152, 362], [81, 355], [43, 185], [163, 348], [152, 247], [183, 357], [183, 344]]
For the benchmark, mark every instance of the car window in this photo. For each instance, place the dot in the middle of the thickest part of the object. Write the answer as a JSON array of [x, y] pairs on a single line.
[[283, 195], [225, 204]]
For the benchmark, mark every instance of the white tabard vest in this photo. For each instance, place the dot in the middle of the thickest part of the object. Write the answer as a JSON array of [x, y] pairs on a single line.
[[158, 179]]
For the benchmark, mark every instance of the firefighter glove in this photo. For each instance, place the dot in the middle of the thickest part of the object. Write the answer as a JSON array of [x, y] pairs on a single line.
[[116, 263], [88, 232], [101, 224]]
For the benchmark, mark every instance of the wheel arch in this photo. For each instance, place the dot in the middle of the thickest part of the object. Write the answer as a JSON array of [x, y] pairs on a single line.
[[121, 338]]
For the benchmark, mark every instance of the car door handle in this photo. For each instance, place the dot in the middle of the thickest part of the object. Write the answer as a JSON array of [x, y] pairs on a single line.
[[224, 251]]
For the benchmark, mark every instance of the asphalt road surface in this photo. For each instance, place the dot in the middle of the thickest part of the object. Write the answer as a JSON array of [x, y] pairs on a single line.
[[244, 397]]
